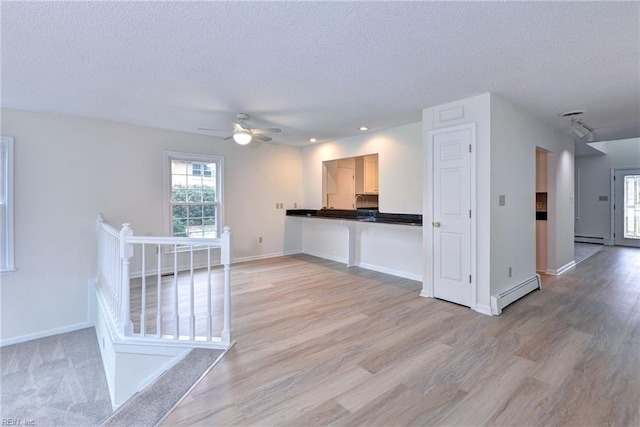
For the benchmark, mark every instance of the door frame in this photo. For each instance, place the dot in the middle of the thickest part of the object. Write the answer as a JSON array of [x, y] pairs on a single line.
[[428, 244], [612, 229]]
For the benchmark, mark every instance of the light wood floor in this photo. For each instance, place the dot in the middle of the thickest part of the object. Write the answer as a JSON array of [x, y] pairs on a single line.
[[320, 344]]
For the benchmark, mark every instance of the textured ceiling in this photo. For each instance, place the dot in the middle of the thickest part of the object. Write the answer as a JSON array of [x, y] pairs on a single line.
[[320, 69]]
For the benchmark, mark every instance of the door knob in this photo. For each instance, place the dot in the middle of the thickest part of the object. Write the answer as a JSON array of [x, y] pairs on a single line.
[[436, 224]]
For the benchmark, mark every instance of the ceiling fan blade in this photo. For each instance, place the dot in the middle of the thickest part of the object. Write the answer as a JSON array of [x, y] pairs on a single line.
[[262, 137], [228, 137], [267, 130], [215, 130]]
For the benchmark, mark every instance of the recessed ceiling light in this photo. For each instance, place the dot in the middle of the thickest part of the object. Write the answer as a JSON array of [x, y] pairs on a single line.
[[312, 140], [364, 128]]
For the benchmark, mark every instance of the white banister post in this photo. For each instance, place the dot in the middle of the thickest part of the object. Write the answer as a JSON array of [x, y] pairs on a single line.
[[226, 260], [101, 253], [126, 252]]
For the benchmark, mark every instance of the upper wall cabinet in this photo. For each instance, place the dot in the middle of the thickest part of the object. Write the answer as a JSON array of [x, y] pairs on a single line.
[[367, 174]]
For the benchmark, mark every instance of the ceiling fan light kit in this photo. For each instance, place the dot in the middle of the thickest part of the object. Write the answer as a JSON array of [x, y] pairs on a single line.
[[242, 137], [243, 134]]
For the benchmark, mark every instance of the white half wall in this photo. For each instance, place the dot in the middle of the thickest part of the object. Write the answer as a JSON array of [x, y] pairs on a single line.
[[388, 248], [130, 368], [67, 170]]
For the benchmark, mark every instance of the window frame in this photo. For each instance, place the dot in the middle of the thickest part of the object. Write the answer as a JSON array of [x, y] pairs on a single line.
[[7, 263], [199, 158], [204, 172]]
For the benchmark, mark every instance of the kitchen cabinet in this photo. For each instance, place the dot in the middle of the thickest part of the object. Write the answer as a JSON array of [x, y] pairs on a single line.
[[371, 174], [367, 174]]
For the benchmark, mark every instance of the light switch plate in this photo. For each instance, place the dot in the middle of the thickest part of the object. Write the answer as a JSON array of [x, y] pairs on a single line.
[[502, 200]]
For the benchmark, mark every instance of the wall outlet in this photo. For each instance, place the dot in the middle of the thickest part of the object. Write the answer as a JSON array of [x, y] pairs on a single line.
[[260, 239], [510, 272], [502, 200]]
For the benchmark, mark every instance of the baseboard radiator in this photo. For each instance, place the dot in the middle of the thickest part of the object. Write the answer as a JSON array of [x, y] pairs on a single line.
[[590, 239], [503, 299]]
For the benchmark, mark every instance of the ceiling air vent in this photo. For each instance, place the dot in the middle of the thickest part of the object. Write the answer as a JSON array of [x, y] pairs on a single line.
[[571, 113]]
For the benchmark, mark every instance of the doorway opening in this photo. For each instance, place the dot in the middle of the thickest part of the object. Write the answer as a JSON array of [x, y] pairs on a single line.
[[541, 210], [626, 207]]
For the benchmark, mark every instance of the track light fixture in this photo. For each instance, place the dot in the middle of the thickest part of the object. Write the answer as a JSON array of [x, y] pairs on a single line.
[[582, 131]]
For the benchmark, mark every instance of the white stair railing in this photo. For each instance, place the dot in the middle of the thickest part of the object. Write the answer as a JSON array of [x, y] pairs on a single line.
[[191, 300]]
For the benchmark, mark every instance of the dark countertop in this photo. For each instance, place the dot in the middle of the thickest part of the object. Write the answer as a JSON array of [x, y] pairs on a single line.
[[360, 215]]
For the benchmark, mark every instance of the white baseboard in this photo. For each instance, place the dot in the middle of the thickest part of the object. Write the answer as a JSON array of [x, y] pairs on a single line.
[[265, 256], [170, 269], [562, 269], [201, 265], [483, 309], [367, 266], [504, 298], [397, 273], [326, 256], [44, 334], [425, 294]]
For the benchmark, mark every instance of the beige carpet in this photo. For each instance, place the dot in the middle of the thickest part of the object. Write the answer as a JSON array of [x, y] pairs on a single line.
[[60, 381], [54, 381]]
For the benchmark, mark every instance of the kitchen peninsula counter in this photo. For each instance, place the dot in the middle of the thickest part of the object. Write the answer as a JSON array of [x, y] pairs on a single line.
[[360, 215], [386, 242]]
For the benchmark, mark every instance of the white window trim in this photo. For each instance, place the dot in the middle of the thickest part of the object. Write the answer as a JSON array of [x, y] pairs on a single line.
[[8, 249], [194, 157]]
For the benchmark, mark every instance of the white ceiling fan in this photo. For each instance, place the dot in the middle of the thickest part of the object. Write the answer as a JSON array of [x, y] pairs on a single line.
[[243, 134]]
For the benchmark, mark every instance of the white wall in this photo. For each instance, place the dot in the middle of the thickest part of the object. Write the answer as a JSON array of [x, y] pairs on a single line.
[[506, 139], [515, 134], [593, 217], [399, 166], [67, 170]]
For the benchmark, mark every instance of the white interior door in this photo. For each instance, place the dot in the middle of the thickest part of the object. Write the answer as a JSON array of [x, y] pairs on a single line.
[[452, 215], [626, 211]]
